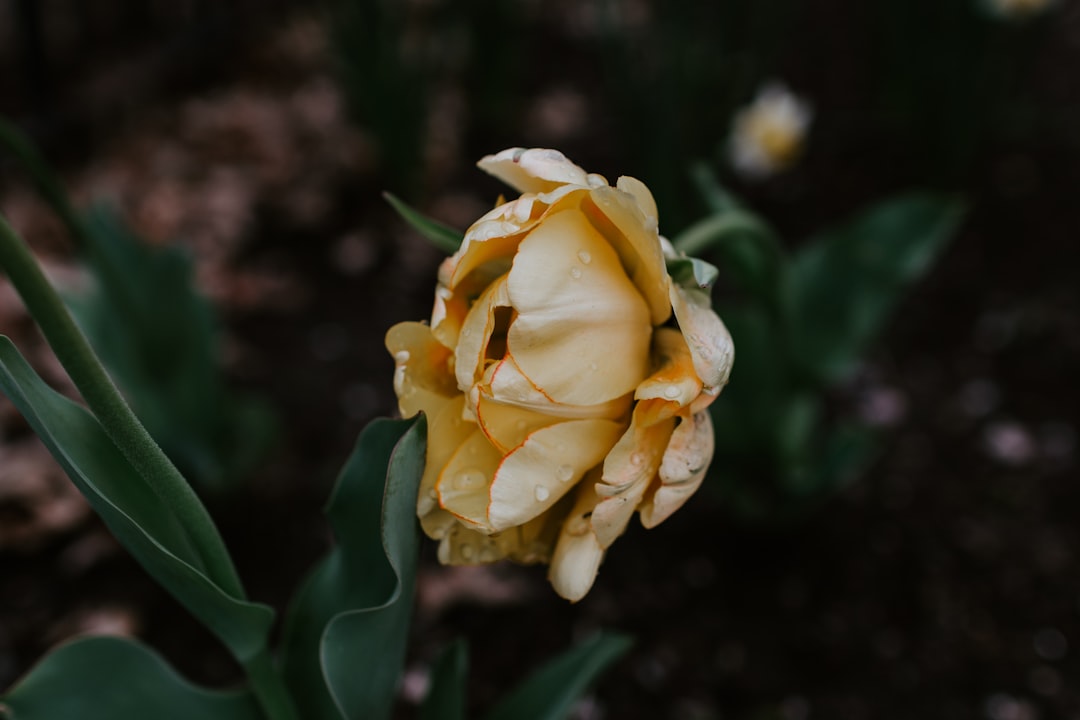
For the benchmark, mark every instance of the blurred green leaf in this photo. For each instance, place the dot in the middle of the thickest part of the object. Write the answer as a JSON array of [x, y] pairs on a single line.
[[446, 698], [745, 415], [441, 236], [345, 635], [717, 198], [159, 339], [847, 280], [748, 250], [144, 522], [550, 692], [110, 678]]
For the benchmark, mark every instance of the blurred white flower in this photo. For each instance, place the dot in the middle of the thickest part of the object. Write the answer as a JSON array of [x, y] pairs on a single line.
[[767, 135], [1017, 9]]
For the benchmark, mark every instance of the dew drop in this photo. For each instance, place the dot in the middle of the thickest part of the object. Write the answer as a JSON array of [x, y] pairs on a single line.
[[520, 424], [466, 552], [401, 357], [575, 272], [564, 473], [636, 459], [541, 493], [584, 256], [671, 392], [468, 480]]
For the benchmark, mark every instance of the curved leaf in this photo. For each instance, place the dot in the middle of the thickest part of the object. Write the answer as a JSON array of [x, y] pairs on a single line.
[[111, 678], [351, 617], [141, 520], [550, 692]]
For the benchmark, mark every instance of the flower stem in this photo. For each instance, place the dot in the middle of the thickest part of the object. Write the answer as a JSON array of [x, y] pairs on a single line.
[[112, 411]]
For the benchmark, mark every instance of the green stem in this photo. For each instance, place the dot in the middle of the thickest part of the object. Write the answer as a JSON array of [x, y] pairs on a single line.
[[716, 229], [266, 683], [112, 411]]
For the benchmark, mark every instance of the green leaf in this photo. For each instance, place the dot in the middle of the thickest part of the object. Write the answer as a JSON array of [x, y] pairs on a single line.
[[846, 280], [142, 521], [446, 698], [441, 236], [692, 273], [550, 692], [111, 678], [747, 249], [347, 627], [159, 340]]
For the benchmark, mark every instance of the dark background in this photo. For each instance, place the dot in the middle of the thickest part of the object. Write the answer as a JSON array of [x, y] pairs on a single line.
[[943, 584]]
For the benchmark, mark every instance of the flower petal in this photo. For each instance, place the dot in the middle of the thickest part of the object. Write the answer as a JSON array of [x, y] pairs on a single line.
[[446, 432], [533, 171], [633, 233], [506, 384], [641, 194], [706, 336], [578, 553], [528, 544], [422, 377], [476, 333], [464, 484], [685, 463], [536, 474], [507, 426], [629, 470], [674, 384], [582, 330]]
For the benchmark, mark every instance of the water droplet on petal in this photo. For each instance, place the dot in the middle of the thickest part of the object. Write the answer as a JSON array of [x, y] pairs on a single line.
[[466, 552], [541, 493], [636, 459], [671, 392], [575, 272], [520, 424], [468, 480], [564, 473], [584, 257]]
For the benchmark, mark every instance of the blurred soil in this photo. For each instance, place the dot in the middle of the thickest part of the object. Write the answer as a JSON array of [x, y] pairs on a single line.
[[944, 585]]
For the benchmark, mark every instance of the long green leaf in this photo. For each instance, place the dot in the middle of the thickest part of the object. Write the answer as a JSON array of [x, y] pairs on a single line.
[[441, 236], [139, 518], [346, 629], [159, 339], [109, 678], [550, 692], [847, 280], [445, 699]]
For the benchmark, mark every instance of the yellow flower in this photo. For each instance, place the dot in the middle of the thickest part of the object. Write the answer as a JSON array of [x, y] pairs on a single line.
[[564, 375], [767, 135]]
